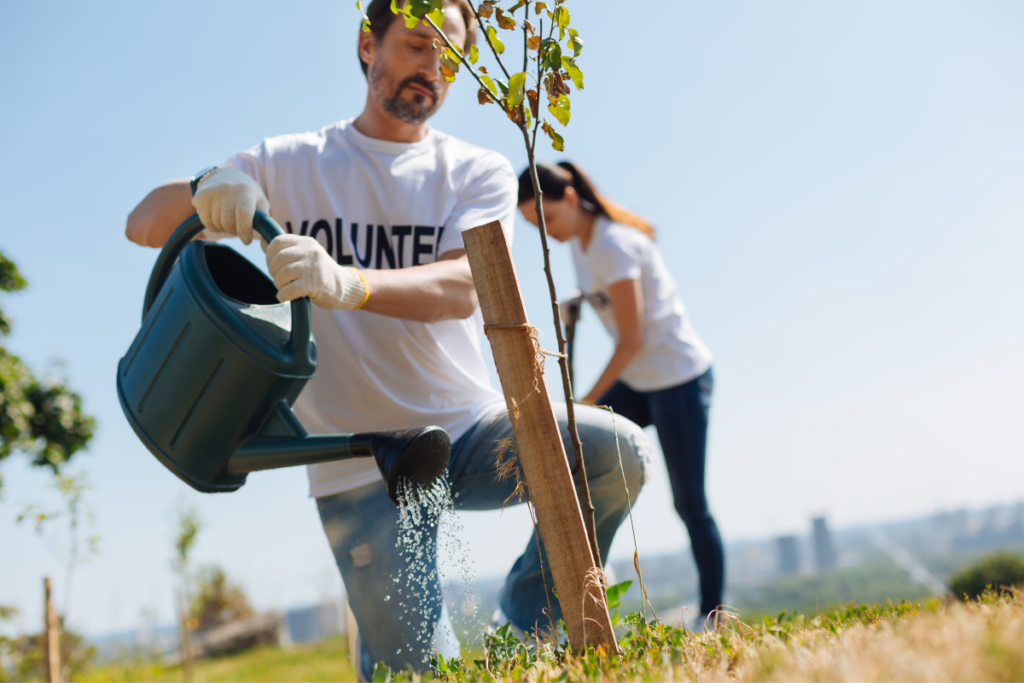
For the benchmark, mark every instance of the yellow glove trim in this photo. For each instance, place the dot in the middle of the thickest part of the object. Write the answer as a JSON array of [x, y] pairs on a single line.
[[366, 287]]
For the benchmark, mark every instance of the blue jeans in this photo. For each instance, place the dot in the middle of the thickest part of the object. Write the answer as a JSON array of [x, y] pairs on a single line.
[[680, 414], [362, 529]]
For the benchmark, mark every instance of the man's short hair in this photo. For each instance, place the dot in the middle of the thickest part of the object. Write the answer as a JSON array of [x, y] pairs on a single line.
[[381, 16]]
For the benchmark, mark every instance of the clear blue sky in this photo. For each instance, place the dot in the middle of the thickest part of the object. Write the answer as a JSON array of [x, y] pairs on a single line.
[[837, 188]]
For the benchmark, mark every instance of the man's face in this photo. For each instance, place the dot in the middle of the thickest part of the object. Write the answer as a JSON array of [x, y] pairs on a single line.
[[405, 68]]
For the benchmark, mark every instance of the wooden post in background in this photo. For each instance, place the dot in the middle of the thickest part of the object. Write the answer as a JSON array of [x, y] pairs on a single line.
[[185, 634], [52, 635], [538, 441]]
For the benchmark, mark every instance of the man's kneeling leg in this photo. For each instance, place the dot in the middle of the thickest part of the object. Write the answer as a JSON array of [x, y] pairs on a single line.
[[397, 603]]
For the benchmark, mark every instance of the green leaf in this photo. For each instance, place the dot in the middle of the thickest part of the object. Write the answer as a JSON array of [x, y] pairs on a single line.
[[489, 84], [10, 278], [516, 88], [474, 54], [449, 64], [550, 54], [437, 16], [417, 8], [381, 673], [492, 35], [575, 42], [561, 16], [365, 26], [501, 84], [559, 146], [560, 109], [615, 592], [574, 72], [561, 19]]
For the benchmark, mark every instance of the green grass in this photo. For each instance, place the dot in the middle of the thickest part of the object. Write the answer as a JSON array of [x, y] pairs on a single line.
[[326, 660], [976, 641], [874, 582]]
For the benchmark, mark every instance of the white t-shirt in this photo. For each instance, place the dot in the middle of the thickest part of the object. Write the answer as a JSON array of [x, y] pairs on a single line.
[[672, 352], [378, 204]]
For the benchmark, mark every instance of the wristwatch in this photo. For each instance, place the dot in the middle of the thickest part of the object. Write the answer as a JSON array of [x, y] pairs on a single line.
[[194, 183]]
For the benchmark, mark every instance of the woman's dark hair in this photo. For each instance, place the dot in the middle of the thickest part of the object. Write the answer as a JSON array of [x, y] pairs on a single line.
[[554, 180], [380, 15]]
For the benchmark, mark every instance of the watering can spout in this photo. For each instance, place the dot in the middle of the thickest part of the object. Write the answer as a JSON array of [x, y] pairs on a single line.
[[417, 457]]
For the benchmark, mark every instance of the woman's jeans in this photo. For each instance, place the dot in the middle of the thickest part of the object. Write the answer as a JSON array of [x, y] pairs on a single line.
[[680, 414], [362, 528]]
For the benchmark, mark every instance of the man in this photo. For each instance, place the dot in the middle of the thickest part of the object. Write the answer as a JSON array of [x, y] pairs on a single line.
[[375, 208]]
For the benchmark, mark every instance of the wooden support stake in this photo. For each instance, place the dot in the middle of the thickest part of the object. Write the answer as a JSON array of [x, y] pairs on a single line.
[[538, 441], [185, 635], [52, 635]]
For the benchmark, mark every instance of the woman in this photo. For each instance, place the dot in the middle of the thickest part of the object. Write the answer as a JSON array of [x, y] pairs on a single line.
[[660, 372]]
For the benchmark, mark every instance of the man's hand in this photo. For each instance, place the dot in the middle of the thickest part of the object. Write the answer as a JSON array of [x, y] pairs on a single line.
[[226, 201], [301, 267]]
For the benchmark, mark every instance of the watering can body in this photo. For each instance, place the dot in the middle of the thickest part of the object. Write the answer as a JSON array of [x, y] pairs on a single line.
[[210, 378]]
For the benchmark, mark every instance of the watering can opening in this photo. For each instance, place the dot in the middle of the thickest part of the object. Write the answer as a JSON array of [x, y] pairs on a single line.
[[237, 278], [210, 379]]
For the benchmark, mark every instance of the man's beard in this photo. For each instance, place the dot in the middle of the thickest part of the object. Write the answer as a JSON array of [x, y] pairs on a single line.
[[414, 111]]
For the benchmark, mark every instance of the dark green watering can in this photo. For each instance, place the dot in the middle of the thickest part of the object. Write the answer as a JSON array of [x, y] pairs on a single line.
[[209, 381]]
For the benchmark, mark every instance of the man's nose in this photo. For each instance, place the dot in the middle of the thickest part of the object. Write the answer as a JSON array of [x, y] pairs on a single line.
[[430, 68]]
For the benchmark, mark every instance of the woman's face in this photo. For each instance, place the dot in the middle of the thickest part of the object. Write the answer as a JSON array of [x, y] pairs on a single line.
[[559, 216]]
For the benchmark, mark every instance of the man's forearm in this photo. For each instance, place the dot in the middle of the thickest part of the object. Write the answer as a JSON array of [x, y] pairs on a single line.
[[429, 293], [155, 218]]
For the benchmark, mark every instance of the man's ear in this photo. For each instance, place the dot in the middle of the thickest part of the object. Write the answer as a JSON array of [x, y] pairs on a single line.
[[367, 43]]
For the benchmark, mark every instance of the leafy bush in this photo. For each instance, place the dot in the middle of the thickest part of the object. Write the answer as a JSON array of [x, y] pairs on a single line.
[[999, 570], [41, 418], [217, 600]]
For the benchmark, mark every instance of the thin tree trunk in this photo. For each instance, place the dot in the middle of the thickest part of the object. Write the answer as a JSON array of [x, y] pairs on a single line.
[[52, 635], [577, 446]]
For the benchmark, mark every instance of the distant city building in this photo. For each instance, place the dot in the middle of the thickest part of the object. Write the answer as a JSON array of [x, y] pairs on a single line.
[[824, 551], [789, 554]]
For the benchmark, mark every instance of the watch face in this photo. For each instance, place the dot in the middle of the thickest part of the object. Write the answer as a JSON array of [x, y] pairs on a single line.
[[194, 183]]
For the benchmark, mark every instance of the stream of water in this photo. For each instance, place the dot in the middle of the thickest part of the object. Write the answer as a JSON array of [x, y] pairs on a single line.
[[434, 555]]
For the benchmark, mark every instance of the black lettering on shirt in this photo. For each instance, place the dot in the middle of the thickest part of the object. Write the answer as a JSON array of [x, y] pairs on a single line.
[[417, 246], [437, 244], [401, 232], [368, 250], [288, 227], [384, 247], [324, 227], [341, 257]]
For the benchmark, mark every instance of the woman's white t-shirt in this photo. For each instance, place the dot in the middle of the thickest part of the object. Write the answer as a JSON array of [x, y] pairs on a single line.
[[672, 352], [378, 204]]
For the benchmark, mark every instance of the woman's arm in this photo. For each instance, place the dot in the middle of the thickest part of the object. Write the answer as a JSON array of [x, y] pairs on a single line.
[[628, 307]]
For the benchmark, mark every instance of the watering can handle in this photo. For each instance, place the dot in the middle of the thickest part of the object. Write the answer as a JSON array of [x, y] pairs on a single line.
[[183, 234]]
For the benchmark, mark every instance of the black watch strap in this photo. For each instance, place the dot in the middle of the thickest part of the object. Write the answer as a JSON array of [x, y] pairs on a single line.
[[194, 183]]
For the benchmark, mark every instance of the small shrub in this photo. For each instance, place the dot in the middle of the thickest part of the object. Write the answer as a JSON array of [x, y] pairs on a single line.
[[999, 570]]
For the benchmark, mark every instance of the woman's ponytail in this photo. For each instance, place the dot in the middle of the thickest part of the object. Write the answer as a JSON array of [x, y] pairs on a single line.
[[554, 180]]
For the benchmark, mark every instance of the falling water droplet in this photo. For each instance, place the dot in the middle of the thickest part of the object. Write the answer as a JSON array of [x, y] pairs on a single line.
[[386, 598]]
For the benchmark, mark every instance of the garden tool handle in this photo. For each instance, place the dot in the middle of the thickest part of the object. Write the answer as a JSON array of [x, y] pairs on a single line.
[[184, 233]]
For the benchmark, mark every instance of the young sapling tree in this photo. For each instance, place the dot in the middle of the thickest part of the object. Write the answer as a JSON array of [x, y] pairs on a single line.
[[551, 47]]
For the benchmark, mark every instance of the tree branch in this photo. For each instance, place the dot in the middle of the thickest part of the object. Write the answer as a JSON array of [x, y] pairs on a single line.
[[487, 38]]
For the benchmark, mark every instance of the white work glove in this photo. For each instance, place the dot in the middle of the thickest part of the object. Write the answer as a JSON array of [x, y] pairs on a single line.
[[226, 201], [569, 309], [301, 267]]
